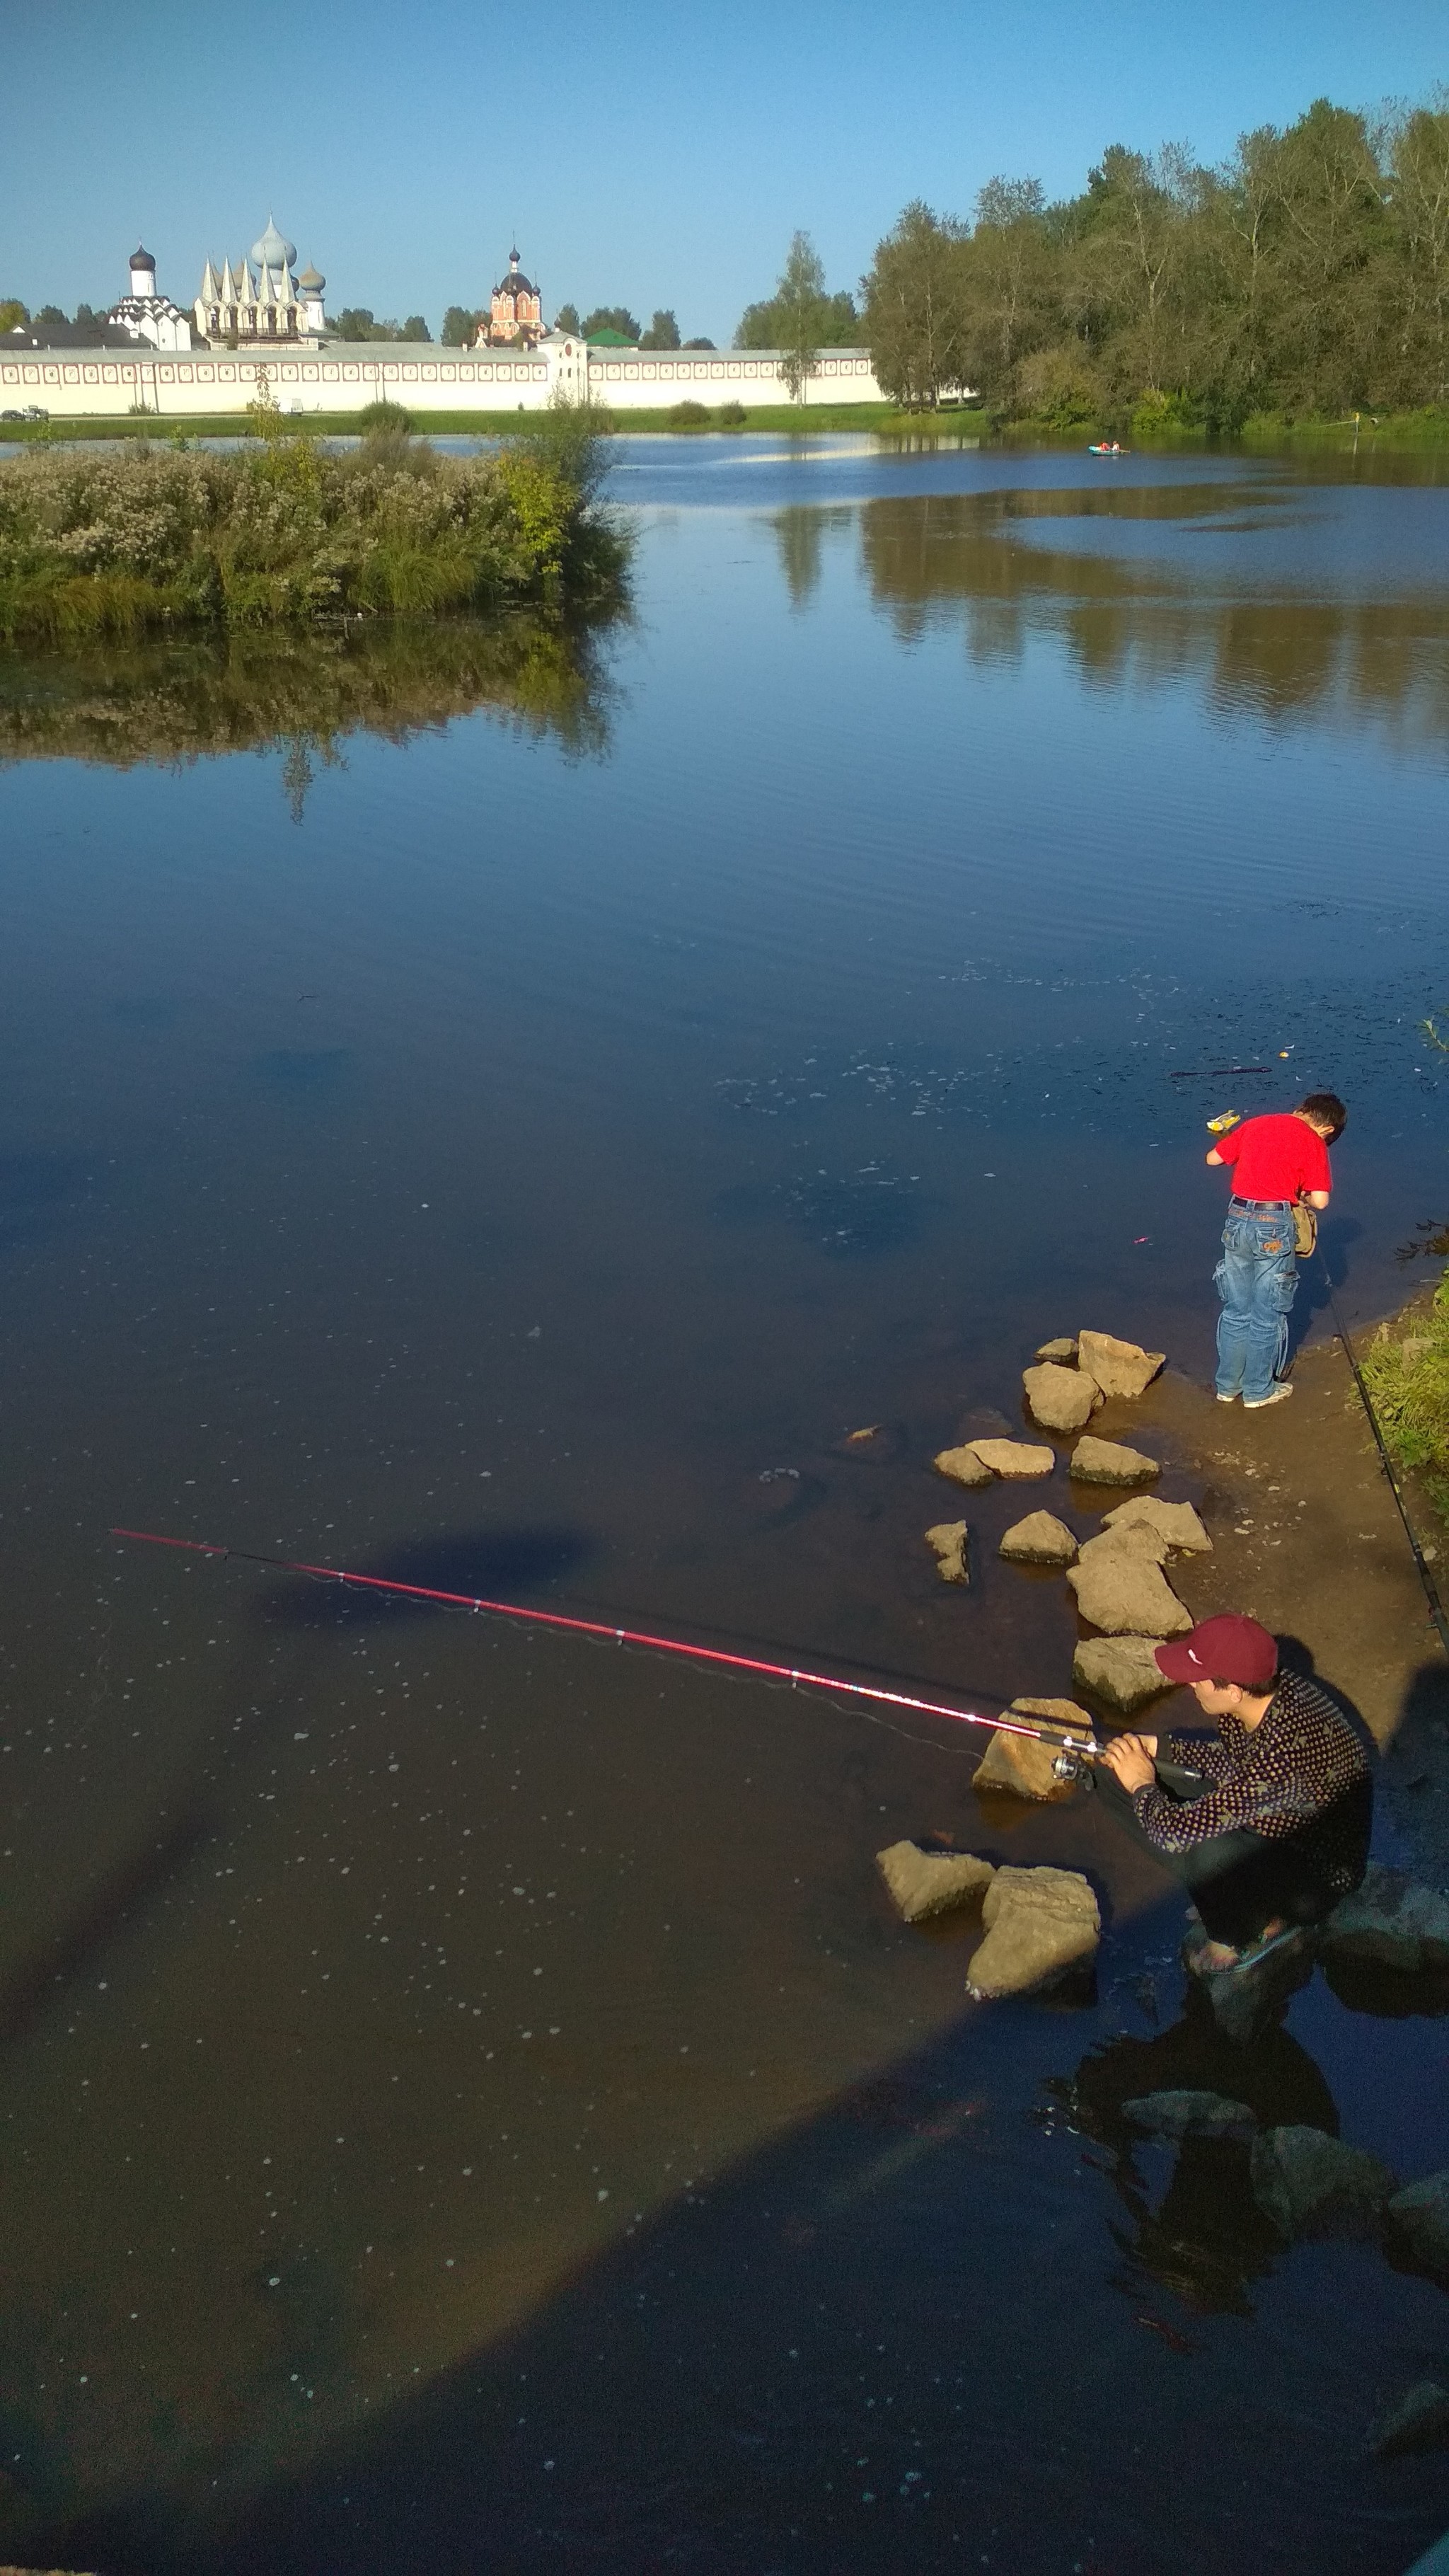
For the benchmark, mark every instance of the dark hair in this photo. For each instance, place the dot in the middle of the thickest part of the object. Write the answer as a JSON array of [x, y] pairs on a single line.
[[1326, 1110], [1255, 1690]]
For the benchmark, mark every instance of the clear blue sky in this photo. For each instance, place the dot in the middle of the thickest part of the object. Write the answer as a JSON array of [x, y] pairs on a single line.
[[643, 154]]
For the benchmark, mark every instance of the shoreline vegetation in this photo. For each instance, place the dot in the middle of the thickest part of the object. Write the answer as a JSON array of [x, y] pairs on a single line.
[[287, 530], [1261, 432]]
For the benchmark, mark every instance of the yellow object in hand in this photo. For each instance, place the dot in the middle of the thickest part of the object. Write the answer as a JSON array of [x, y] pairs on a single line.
[[1220, 1126]]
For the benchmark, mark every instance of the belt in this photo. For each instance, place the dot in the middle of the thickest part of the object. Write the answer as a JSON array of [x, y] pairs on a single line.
[[1261, 1207]]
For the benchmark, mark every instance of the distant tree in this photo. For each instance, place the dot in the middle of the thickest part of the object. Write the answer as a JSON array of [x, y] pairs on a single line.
[[86, 318], [1419, 205], [355, 322], [415, 328], [51, 313], [837, 324], [610, 317], [459, 327], [13, 314], [699, 344], [567, 319], [915, 307], [663, 332], [1009, 308], [798, 297]]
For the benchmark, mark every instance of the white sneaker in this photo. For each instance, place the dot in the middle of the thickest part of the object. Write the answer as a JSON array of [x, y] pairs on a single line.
[[1275, 1395], [1227, 1399]]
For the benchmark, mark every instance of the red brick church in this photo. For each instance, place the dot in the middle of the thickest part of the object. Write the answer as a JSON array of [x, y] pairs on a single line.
[[516, 312]]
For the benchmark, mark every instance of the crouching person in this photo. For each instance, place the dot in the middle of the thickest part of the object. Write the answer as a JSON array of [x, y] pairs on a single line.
[[1266, 1822]]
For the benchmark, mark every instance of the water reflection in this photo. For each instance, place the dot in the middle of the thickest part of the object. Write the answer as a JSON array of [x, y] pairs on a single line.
[[304, 693], [1133, 607]]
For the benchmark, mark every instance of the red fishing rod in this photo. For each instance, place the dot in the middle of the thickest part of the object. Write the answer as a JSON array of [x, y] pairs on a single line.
[[1063, 1742]]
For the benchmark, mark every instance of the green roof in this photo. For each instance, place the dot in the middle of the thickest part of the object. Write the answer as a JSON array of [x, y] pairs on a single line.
[[610, 340]]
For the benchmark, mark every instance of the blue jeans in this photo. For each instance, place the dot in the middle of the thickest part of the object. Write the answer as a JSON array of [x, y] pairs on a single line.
[[1257, 1280]]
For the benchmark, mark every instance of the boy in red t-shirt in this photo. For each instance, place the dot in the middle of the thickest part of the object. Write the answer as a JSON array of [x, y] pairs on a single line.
[[1275, 1162]]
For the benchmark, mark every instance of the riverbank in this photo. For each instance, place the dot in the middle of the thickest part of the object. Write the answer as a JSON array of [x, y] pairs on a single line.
[[884, 417]]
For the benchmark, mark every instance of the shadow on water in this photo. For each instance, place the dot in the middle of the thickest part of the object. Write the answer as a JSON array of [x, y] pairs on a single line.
[[28, 1994], [480, 1564], [772, 2375], [303, 694]]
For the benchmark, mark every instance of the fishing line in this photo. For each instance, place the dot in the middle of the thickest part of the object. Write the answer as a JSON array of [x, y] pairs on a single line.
[[1060, 1739], [1431, 1588]]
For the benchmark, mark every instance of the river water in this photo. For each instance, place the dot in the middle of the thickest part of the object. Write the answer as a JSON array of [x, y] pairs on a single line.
[[500, 1110]]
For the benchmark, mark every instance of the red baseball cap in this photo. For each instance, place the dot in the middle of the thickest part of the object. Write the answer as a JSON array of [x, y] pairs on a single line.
[[1229, 1648]]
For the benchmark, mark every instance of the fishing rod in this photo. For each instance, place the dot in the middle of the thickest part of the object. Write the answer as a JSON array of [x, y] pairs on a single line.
[[1070, 1749], [1431, 1588]]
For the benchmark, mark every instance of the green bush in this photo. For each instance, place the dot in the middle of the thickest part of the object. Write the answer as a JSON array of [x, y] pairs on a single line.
[[1407, 1376], [375, 416], [732, 415], [109, 541], [688, 415]]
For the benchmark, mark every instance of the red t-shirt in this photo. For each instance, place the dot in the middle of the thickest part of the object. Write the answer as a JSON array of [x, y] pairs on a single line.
[[1275, 1158]]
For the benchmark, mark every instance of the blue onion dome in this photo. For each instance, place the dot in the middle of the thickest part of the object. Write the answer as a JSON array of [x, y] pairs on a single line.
[[310, 282], [272, 251]]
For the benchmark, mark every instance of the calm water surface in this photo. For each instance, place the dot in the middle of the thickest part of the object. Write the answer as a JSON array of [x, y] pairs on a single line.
[[500, 1111]]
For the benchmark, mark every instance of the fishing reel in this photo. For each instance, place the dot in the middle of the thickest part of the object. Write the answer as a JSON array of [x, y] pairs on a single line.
[[1068, 1763]]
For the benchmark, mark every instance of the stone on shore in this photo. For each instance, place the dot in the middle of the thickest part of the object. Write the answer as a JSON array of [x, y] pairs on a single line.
[[949, 1539], [1178, 1523], [1389, 1922], [1127, 1595], [1250, 1998], [1109, 1462], [1063, 1350], [1060, 1399], [1014, 1764], [1309, 2184], [1015, 1457], [1122, 1671], [962, 1465], [1120, 1368], [1418, 2221], [1041, 1924], [1138, 1540], [1041, 1539], [926, 1883], [1417, 2421], [1190, 2115]]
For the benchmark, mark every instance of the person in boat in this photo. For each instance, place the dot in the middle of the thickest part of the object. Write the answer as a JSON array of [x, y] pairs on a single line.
[[1276, 1162], [1266, 1821]]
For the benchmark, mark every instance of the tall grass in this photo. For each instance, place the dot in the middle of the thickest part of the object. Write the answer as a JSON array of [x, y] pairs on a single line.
[[108, 544], [1407, 1376]]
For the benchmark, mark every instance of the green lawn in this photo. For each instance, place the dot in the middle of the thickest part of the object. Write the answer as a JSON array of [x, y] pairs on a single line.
[[883, 418]]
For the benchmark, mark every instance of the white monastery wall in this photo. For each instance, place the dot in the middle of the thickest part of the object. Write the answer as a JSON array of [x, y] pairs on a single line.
[[339, 376]]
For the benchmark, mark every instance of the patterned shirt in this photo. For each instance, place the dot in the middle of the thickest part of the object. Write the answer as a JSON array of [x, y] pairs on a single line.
[[1301, 1771]]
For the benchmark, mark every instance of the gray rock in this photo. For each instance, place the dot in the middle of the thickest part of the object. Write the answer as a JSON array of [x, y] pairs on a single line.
[[1060, 1399], [1191, 2115], [1389, 1922], [1109, 1462], [1121, 1671], [1250, 1998], [1041, 1539], [1178, 1523], [1063, 1351], [1041, 1924], [1309, 2184], [1120, 1368], [1015, 1457], [1127, 1595], [1417, 2421], [963, 1466], [949, 1539], [1418, 2219], [1022, 1769], [927, 1883]]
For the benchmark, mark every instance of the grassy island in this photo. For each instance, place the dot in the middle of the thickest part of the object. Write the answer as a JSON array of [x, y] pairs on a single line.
[[286, 530]]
